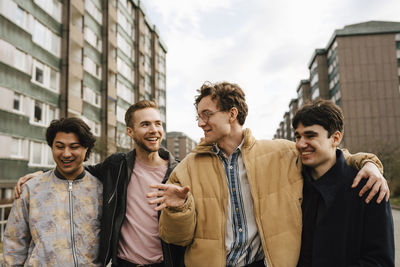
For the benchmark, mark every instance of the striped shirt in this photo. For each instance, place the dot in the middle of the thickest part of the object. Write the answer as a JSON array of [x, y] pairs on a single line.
[[242, 241]]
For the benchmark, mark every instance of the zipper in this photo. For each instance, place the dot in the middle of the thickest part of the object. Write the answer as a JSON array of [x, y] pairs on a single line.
[[112, 218], [71, 223]]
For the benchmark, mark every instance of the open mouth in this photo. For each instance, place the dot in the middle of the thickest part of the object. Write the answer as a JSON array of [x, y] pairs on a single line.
[[67, 163], [152, 139]]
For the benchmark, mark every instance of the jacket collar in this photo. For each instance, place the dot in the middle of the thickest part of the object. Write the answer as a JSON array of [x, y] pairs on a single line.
[[164, 154], [329, 184], [60, 176], [248, 142]]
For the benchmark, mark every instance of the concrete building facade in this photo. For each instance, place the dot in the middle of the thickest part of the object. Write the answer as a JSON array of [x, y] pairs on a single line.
[[179, 144], [359, 70], [83, 58]]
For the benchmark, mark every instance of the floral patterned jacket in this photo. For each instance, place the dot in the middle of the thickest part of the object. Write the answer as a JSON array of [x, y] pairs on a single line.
[[55, 222]]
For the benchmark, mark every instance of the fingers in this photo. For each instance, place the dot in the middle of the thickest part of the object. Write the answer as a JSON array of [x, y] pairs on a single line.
[[160, 207], [366, 187], [374, 190], [158, 193], [159, 200], [185, 190], [357, 180], [18, 187], [160, 186]]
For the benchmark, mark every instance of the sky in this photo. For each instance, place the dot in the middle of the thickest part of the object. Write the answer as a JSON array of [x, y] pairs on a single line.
[[262, 45]]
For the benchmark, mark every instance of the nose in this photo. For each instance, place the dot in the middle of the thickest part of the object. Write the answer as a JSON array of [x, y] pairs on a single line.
[[201, 123], [67, 152], [301, 143]]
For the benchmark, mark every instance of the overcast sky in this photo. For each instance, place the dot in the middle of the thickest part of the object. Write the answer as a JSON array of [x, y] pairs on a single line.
[[262, 45]]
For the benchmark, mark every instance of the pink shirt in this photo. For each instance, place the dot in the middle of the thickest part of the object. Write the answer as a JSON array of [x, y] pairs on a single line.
[[139, 242]]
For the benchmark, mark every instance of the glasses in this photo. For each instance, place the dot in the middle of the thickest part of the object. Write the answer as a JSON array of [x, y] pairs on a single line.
[[205, 115]]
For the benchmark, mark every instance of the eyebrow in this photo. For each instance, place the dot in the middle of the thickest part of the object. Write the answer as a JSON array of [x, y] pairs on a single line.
[[310, 132], [61, 143]]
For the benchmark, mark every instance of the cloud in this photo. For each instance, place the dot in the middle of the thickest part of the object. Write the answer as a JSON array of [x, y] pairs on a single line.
[[264, 46]]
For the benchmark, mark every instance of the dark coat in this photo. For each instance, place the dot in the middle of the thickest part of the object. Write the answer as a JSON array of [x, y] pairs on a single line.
[[115, 173], [346, 230]]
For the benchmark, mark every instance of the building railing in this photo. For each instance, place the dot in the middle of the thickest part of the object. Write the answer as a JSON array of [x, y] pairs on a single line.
[[3, 219]]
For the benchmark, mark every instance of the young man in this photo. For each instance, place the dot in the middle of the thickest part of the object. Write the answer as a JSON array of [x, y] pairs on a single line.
[[244, 204], [56, 221], [339, 228], [129, 227]]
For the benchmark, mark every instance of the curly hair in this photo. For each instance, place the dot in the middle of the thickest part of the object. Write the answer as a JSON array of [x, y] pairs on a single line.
[[228, 95], [72, 125]]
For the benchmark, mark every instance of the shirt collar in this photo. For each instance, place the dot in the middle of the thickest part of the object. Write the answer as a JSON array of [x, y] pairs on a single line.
[[331, 182], [218, 151]]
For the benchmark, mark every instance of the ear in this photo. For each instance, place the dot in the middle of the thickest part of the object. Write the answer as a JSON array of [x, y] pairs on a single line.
[[129, 131], [233, 113], [337, 138]]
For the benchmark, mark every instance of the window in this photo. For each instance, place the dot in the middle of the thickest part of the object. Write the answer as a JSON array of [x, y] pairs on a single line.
[[42, 114], [46, 38], [94, 126], [93, 11], [20, 17], [125, 93], [36, 153], [45, 76], [121, 114], [124, 45], [91, 67], [54, 80], [19, 59], [315, 93], [124, 23], [17, 105], [92, 38], [40, 154], [38, 112], [16, 148], [123, 140], [91, 96], [93, 159], [39, 74], [52, 7], [125, 70]]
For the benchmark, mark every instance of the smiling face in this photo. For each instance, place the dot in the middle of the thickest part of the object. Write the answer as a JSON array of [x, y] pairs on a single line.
[[218, 126], [316, 148], [68, 154], [147, 130]]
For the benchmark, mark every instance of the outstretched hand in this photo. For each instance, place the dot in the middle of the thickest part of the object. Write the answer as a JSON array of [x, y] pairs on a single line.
[[22, 180], [168, 195], [376, 182]]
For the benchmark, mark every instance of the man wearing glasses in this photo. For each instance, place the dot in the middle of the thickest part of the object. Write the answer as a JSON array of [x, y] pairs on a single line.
[[235, 200]]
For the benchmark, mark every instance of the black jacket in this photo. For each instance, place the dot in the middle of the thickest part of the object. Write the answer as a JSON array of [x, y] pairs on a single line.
[[115, 173], [339, 228]]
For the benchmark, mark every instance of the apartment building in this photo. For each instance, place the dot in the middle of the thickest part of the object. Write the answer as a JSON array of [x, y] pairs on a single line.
[[83, 58], [359, 70], [179, 144]]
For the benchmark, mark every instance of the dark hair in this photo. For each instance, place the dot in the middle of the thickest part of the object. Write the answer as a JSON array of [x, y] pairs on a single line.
[[228, 95], [137, 106], [321, 112], [72, 125]]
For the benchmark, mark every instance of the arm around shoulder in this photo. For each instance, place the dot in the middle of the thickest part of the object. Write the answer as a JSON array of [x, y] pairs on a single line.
[[358, 160]]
